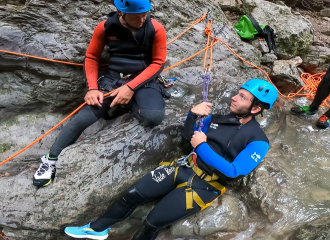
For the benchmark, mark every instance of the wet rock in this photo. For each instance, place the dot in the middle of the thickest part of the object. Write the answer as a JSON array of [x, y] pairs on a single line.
[[326, 3], [291, 3], [317, 229], [325, 12], [226, 214], [326, 19], [268, 58], [316, 5], [229, 5], [286, 76], [261, 45], [316, 60]]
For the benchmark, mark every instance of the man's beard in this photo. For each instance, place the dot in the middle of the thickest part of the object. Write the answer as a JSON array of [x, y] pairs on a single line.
[[242, 113]]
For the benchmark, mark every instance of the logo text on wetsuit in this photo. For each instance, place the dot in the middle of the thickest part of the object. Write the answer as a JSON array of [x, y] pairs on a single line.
[[255, 156], [214, 125], [159, 178]]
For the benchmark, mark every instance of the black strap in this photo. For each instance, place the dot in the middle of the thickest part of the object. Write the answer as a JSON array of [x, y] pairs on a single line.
[[267, 33], [257, 27], [270, 38], [190, 179]]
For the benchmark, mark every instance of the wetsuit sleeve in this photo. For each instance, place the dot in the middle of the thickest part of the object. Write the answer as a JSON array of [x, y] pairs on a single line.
[[93, 55], [159, 49], [247, 160]]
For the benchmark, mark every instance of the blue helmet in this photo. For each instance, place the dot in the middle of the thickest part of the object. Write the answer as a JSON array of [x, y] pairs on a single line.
[[264, 91], [133, 6]]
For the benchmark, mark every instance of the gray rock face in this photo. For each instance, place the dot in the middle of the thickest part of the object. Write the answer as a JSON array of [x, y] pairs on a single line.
[[229, 5], [317, 229], [286, 76], [226, 214], [313, 5], [279, 200], [268, 58], [316, 60], [325, 12], [295, 33]]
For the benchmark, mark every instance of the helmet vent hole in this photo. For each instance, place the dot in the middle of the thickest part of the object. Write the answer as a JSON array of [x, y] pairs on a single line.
[[127, 4], [260, 88], [122, 1]]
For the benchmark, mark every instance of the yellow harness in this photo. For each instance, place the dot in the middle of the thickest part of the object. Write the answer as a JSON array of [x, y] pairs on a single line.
[[191, 195]]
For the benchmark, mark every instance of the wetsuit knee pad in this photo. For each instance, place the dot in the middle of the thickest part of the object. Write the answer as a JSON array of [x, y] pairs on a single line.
[[84, 118], [119, 210], [133, 198], [151, 118], [146, 232], [126, 203]]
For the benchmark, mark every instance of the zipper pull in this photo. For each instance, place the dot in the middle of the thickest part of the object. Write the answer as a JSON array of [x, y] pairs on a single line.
[[240, 127]]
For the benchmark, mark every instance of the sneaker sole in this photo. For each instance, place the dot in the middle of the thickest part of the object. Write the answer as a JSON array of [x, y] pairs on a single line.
[[321, 126], [302, 114], [41, 184], [86, 236]]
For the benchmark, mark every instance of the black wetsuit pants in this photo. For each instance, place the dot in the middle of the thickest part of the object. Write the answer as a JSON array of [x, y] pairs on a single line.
[[322, 93], [158, 184], [147, 105]]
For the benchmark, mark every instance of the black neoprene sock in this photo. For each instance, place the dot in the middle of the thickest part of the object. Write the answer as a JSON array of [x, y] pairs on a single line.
[[313, 108]]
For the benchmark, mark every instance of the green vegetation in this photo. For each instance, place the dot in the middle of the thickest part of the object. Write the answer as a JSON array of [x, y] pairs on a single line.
[[4, 147]]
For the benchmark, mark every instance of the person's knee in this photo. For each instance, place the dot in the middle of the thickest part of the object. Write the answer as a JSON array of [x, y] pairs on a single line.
[[151, 118], [85, 117]]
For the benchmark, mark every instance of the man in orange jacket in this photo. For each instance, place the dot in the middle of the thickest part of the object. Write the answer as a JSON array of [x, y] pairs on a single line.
[[137, 49]]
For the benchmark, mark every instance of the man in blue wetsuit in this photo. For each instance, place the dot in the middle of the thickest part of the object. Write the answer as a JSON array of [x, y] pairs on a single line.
[[228, 147]]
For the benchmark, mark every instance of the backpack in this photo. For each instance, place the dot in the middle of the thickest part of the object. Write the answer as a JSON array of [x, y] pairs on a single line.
[[249, 28]]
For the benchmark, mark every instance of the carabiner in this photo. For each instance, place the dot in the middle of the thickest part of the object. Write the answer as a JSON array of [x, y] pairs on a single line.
[[192, 153], [208, 16], [187, 161]]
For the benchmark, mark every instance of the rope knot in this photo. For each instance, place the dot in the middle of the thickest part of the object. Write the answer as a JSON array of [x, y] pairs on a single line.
[[208, 31]]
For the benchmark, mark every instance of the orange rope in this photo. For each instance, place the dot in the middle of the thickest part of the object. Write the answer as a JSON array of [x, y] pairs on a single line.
[[38, 139], [3, 236], [209, 45], [193, 24], [40, 58], [189, 57], [310, 88], [208, 32]]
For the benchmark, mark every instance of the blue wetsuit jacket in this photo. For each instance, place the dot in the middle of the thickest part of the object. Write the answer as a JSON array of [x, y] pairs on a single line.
[[232, 150]]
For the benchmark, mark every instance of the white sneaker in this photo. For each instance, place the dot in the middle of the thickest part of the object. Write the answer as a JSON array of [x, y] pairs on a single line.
[[45, 173]]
